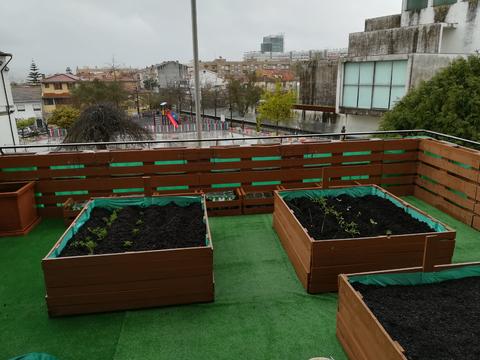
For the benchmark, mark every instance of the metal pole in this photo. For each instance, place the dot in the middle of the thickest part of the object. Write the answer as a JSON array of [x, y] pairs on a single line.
[[196, 71]]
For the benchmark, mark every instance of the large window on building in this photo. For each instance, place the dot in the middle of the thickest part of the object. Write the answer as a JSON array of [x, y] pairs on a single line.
[[374, 85], [443, 2], [416, 4]]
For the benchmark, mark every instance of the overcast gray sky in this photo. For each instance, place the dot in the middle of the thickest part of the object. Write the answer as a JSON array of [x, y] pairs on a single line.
[[61, 33]]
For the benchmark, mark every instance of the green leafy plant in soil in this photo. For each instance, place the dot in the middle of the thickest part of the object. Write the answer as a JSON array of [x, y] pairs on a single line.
[[139, 229], [353, 217]]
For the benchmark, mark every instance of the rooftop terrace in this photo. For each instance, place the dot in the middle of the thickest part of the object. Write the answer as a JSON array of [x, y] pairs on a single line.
[[261, 310]]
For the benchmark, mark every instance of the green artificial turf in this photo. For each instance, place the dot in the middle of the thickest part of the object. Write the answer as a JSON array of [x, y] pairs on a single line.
[[260, 312]]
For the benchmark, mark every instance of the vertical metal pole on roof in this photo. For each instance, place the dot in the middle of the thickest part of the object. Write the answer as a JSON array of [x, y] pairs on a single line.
[[196, 72]]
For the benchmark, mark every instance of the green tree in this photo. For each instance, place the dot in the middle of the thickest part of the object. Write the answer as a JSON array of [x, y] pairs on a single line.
[[243, 95], [276, 106], [104, 123], [448, 103], [150, 84], [34, 76], [23, 124], [64, 116], [88, 93]]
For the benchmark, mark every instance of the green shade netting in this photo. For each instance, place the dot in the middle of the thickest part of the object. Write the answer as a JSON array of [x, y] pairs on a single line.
[[361, 191], [118, 203], [418, 278]]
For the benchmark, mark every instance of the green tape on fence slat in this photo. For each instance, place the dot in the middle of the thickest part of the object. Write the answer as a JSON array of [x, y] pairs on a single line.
[[123, 191], [317, 156], [394, 152], [357, 153], [32, 168], [312, 180], [221, 186], [76, 192], [66, 167], [266, 183], [266, 158], [218, 160], [355, 177], [127, 164], [172, 188], [171, 162]]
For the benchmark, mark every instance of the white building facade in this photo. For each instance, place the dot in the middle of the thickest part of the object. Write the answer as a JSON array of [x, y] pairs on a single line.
[[28, 102], [8, 127], [396, 53]]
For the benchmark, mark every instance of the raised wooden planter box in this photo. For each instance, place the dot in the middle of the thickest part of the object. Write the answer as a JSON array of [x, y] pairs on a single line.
[[18, 213], [257, 202], [358, 329], [318, 263], [130, 280], [227, 207]]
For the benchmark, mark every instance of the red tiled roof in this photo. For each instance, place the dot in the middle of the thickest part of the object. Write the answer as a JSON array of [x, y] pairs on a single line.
[[63, 78], [282, 75]]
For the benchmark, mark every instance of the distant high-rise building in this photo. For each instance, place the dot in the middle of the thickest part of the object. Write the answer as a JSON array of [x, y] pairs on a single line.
[[272, 44]]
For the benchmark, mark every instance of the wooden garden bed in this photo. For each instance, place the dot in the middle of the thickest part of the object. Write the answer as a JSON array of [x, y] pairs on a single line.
[[319, 262], [362, 335], [18, 212], [130, 279]]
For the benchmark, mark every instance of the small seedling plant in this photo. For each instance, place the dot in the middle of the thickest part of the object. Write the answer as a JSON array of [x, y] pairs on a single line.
[[351, 228]]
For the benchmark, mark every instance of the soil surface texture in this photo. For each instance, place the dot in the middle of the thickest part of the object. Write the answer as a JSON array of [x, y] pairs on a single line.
[[431, 322], [139, 229], [345, 217]]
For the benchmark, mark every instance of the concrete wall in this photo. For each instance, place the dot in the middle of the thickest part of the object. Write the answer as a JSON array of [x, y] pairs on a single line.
[[383, 23], [318, 82], [405, 40], [7, 124], [463, 15], [172, 73], [424, 66]]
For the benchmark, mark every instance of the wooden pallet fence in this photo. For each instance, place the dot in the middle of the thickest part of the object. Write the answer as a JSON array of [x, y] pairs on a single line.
[[85, 174], [448, 178]]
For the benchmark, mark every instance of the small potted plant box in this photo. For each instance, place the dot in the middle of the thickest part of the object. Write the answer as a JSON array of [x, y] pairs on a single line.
[[225, 203], [410, 314], [327, 232], [129, 253], [257, 202], [19, 212]]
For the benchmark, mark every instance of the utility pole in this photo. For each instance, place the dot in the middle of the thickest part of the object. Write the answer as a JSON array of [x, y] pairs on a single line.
[[196, 72]]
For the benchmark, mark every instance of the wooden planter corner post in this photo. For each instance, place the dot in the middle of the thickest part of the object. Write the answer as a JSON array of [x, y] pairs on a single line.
[[358, 329], [130, 280], [319, 262], [18, 212]]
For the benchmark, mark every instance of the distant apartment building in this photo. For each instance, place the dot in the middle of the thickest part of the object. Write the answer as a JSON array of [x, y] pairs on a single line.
[[8, 126], [127, 77], [273, 44], [172, 74], [294, 56], [56, 91], [28, 102], [239, 69], [396, 53]]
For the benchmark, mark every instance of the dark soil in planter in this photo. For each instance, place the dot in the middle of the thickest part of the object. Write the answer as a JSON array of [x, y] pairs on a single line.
[[370, 216], [140, 229], [431, 322]]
